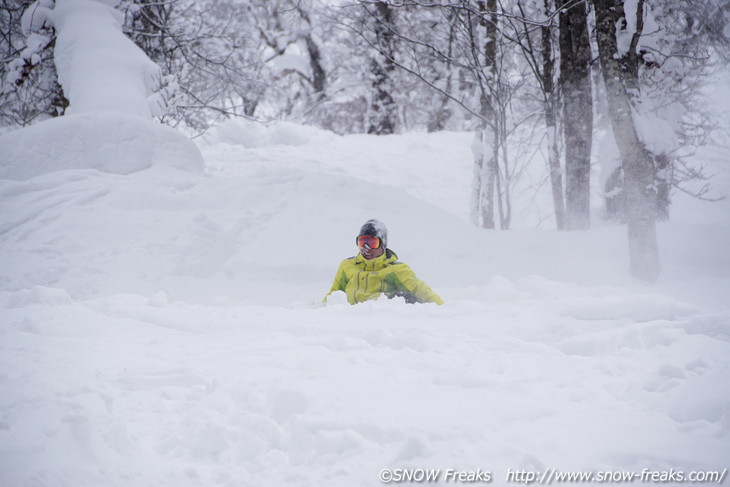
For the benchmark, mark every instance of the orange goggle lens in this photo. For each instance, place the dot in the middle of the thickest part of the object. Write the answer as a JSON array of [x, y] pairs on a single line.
[[367, 240]]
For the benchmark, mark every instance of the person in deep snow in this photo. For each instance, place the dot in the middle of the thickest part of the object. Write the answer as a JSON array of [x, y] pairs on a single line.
[[376, 270]]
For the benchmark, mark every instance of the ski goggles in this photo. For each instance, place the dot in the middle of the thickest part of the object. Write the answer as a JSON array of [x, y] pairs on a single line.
[[368, 241]]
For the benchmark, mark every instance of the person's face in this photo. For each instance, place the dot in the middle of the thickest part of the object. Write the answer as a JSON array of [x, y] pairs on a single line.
[[370, 247]]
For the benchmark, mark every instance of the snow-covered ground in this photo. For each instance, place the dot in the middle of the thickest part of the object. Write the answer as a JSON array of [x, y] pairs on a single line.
[[164, 327], [161, 321]]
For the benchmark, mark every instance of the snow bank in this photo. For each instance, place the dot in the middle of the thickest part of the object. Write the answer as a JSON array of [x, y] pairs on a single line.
[[277, 233], [252, 134], [394, 161], [109, 142]]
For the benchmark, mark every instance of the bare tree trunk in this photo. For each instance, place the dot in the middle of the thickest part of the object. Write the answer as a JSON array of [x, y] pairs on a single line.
[[484, 184], [556, 174], [442, 114], [486, 159], [476, 180], [636, 161], [492, 188], [505, 205], [383, 108], [630, 60], [319, 76], [577, 98]]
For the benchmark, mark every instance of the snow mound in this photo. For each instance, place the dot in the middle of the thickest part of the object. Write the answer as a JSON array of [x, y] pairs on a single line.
[[254, 134], [109, 142], [191, 237], [39, 295]]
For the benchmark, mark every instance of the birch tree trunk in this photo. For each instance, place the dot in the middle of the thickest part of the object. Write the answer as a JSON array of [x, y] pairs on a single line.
[[636, 161], [485, 177], [577, 100], [487, 151]]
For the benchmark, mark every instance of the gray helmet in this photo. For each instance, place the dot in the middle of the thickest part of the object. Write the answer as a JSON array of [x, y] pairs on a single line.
[[375, 228]]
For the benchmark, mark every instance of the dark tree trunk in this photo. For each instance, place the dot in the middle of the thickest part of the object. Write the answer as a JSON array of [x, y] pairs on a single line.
[[577, 98], [382, 107], [319, 77], [551, 119], [637, 163]]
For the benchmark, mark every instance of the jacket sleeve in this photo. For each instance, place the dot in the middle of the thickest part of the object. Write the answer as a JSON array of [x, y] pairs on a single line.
[[406, 283], [340, 281], [425, 294]]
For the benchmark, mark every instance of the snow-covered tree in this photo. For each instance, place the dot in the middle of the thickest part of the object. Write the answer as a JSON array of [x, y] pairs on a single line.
[[294, 56], [29, 88], [655, 56], [636, 160]]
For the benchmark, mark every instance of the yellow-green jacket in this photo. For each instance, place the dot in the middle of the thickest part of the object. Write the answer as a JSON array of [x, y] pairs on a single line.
[[363, 280]]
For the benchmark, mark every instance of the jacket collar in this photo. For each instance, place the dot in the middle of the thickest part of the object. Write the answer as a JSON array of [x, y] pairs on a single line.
[[378, 263]]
